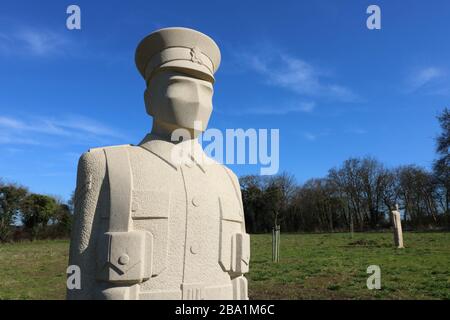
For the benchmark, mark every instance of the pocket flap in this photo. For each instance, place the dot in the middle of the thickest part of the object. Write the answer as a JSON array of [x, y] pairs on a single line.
[[241, 252], [125, 256]]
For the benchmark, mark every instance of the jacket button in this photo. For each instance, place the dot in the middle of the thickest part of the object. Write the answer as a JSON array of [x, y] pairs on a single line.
[[194, 249], [124, 259], [195, 201]]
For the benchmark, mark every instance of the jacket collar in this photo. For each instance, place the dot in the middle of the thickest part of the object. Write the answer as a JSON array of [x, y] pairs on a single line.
[[188, 153]]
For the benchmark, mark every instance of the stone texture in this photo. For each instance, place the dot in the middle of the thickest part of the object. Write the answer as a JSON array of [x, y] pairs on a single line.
[[160, 220]]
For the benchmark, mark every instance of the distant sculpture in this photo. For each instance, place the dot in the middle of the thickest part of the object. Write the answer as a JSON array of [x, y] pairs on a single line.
[[276, 243], [397, 223], [161, 220]]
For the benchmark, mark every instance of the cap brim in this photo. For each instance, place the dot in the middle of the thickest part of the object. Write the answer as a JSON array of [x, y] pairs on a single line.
[[188, 67]]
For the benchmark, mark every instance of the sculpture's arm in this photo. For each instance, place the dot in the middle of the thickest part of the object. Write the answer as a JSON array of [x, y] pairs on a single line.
[[90, 189], [241, 249]]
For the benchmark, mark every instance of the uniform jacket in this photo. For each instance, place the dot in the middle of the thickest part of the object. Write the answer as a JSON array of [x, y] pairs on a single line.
[[148, 226]]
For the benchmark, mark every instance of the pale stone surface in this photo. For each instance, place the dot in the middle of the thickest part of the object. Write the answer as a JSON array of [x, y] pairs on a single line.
[[397, 222], [160, 220]]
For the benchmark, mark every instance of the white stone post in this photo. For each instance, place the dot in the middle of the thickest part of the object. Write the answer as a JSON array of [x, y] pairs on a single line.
[[397, 223], [276, 244]]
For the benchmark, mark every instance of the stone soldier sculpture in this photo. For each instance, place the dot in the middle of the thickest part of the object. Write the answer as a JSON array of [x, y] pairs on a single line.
[[397, 222], [155, 220]]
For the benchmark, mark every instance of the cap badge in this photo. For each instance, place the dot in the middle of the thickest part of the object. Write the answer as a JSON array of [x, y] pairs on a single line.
[[196, 55]]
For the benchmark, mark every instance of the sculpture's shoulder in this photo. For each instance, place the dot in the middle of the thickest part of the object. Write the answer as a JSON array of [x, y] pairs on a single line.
[[106, 148], [93, 161], [230, 173], [211, 163]]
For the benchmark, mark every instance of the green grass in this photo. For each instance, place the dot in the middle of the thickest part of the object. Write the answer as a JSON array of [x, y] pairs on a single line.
[[333, 266], [33, 270], [312, 266]]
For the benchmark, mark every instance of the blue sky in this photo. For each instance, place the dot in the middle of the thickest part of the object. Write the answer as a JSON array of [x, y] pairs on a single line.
[[311, 69]]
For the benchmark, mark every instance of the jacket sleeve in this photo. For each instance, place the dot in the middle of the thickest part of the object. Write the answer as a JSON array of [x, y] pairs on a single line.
[[237, 188], [241, 248], [90, 191]]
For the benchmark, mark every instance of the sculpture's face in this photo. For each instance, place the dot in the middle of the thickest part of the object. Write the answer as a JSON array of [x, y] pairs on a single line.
[[179, 99]]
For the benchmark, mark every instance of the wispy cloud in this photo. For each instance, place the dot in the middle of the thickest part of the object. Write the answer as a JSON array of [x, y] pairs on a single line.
[[87, 125], [281, 109], [303, 78], [29, 41], [357, 131], [314, 136], [41, 42], [7, 138], [38, 130], [311, 136], [429, 80]]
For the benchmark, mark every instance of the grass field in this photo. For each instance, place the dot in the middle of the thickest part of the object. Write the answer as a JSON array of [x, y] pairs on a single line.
[[312, 266]]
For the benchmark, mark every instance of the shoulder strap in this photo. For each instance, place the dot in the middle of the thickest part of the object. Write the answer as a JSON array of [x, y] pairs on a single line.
[[120, 187]]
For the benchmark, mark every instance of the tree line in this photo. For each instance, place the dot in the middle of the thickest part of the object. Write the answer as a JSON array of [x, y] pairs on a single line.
[[26, 215], [357, 195]]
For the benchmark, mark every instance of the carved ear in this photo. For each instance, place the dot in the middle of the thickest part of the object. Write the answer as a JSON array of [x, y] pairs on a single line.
[[148, 105]]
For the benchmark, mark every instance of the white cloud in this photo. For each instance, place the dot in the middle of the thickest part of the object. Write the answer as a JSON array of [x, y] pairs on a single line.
[[11, 123], [357, 131], [6, 138], [40, 130], [283, 70], [41, 42], [81, 123], [310, 136], [283, 109], [430, 80], [426, 75], [28, 41]]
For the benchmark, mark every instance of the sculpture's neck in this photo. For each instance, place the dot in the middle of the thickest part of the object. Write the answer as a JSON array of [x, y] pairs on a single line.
[[168, 131]]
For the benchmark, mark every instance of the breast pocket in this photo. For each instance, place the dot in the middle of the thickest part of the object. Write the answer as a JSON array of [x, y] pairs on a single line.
[[150, 212]]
